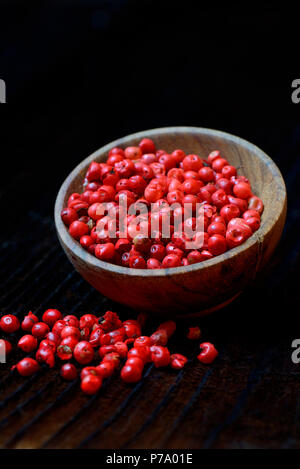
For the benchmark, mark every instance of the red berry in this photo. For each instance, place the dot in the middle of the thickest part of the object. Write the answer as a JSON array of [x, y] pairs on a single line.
[[137, 184], [178, 361], [237, 233], [213, 156], [208, 354], [147, 146], [142, 341], [175, 197], [240, 203], [46, 343], [113, 159], [121, 348], [58, 327], [218, 164], [144, 170], [135, 361], [217, 244], [65, 349], [219, 198], [125, 168], [55, 338], [137, 262], [253, 222], [87, 320], [83, 352], [171, 260], [191, 199], [192, 162], [9, 323], [86, 241], [216, 228], [71, 320], [206, 255], [224, 184], [206, 174], [160, 356], [29, 321], [73, 197], [91, 384], [132, 330], [158, 169], [229, 211], [178, 155], [153, 263], [255, 203], [228, 171], [78, 229], [194, 257], [191, 186], [27, 367], [105, 369], [28, 343], [194, 333], [250, 214], [89, 370], [131, 374], [105, 349], [68, 372], [112, 357], [68, 215], [123, 245], [147, 158], [110, 177], [46, 355], [50, 316], [40, 329], [133, 153], [70, 331], [105, 252], [142, 243], [94, 172], [159, 337], [116, 151], [168, 161], [242, 190], [153, 192]]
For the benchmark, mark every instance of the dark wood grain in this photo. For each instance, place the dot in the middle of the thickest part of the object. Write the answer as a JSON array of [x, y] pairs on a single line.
[[199, 288], [248, 398]]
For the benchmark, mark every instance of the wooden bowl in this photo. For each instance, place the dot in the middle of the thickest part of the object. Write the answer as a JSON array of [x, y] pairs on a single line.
[[199, 288]]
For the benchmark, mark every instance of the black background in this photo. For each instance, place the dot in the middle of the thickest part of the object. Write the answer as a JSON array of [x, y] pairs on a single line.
[[80, 74], [88, 71]]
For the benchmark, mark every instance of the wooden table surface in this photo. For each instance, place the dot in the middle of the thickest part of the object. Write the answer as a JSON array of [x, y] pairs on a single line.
[[249, 398]]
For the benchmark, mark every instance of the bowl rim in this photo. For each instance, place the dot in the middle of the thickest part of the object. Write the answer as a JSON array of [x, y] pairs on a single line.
[[86, 257]]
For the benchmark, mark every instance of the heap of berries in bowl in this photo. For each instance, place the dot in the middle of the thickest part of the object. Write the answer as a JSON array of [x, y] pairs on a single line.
[[146, 208]]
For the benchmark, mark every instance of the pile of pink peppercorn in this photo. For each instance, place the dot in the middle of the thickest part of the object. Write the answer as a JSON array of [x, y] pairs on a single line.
[[209, 188], [112, 343]]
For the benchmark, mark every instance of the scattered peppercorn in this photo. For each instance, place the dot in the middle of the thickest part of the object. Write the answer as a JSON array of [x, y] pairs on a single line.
[[68, 372], [9, 323], [26, 367], [208, 353], [119, 344], [178, 361], [194, 333]]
